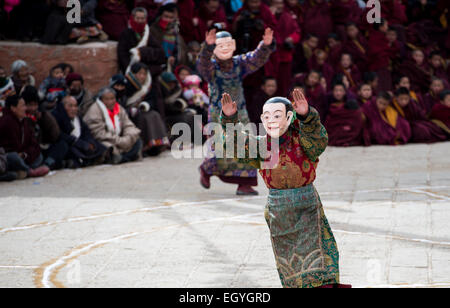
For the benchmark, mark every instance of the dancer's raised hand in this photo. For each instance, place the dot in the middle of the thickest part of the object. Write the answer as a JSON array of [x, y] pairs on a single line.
[[211, 37], [268, 37], [229, 107], [300, 103]]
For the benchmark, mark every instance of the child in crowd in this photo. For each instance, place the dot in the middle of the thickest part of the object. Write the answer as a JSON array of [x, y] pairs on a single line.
[[196, 98], [53, 87]]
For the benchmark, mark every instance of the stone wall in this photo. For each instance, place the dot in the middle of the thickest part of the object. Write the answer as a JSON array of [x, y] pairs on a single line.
[[97, 62]]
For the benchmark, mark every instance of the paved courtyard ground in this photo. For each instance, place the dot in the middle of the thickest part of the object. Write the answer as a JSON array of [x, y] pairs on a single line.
[[150, 224]]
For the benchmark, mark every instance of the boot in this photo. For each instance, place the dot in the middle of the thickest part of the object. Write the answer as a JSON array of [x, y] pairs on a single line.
[[246, 190], [205, 179]]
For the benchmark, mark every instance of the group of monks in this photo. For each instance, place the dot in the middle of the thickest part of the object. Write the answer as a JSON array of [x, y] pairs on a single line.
[[355, 73]]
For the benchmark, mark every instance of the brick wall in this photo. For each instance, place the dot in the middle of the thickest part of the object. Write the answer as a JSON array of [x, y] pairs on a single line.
[[97, 62]]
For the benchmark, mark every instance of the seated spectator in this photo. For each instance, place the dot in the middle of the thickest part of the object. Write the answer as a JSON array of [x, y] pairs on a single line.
[[181, 72], [53, 88], [165, 32], [268, 90], [356, 46], [342, 12], [385, 125], [46, 130], [89, 28], [433, 96], [371, 78], [9, 169], [193, 51], [440, 113], [345, 122], [365, 94], [350, 70], [315, 91], [110, 125], [21, 75], [380, 54], [317, 19], [404, 82], [17, 138], [197, 99], [83, 149], [176, 110], [318, 62], [27, 20], [76, 89], [6, 87], [334, 48], [417, 70], [57, 29], [144, 109], [113, 16], [304, 52], [422, 130], [137, 45], [438, 66], [119, 83], [398, 48]]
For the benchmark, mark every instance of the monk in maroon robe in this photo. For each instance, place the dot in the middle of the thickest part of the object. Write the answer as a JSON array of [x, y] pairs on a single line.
[[379, 55], [288, 36], [113, 15], [296, 10], [345, 122], [437, 66], [356, 46], [151, 6], [343, 12], [334, 49], [365, 94], [440, 113], [304, 52], [350, 70], [417, 70], [422, 130], [318, 19], [189, 24], [318, 62], [404, 82], [314, 91], [433, 96], [385, 125]]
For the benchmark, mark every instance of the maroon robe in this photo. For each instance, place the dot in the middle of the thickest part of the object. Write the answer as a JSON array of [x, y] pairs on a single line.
[[422, 130], [362, 102], [286, 27], [204, 16], [379, 56], [429, 100], [354, 76], [114, 16], [440, 114], [18, 136], [188, 31], [343, 13], [334, 54], [345, 127], [318, 20], [381, 132], [316, 97], [151, 7], [419, 76], [296, 12], [358, 50], [326, 69]]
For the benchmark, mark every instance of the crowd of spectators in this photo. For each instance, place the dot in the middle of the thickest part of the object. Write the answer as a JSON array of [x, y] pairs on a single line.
[[372, 83]]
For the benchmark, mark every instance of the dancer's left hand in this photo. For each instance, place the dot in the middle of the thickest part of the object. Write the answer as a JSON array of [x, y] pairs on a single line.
[[268, 37], [300, 103]]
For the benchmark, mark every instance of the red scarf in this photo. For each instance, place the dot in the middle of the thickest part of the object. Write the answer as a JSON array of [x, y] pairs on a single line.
[[113, 113], [138, 28]]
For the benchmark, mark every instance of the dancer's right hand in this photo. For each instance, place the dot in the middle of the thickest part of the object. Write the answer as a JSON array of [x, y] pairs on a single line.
[[229, 108], [211, 37]]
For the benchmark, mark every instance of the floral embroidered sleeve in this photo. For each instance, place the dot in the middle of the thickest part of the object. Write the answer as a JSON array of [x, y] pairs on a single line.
[[311, 134], [246, 145], [205, 64], [254, 60]]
